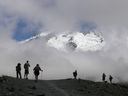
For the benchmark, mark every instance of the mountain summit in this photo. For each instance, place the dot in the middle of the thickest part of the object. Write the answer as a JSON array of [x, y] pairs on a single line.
[[76, 41]]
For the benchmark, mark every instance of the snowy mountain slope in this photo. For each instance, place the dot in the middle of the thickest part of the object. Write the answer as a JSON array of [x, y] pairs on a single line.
[[76, 41], [43, 34]]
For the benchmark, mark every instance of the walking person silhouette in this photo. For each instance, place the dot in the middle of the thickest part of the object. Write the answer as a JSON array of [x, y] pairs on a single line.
[[18, 70], [103, 77], [36, 71], [75, 74], [26, 68], [110, 78]]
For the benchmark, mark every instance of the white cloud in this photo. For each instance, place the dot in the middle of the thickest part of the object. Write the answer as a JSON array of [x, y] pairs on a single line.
[[110, 17]]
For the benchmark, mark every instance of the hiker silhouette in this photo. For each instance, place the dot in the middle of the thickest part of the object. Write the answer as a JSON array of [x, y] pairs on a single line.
[[36, 71], [103, 77], [75, 74], [18, 70], [110, 78], [26, 69]]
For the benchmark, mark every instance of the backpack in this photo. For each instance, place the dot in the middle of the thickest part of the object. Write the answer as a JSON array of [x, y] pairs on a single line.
[[17, 68], [75, 73], [25, 66], [37, 68]]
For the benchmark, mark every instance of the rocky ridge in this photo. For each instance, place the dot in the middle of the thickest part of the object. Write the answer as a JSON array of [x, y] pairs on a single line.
[[10, 86]]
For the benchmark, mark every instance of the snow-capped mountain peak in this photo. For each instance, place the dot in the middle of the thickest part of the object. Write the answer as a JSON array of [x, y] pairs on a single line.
[[76, 41]]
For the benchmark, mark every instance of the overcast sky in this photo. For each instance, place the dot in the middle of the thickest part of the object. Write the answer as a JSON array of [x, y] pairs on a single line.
[[20, 19]]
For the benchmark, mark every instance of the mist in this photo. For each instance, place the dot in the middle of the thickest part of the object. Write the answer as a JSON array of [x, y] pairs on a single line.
[[109, 17]]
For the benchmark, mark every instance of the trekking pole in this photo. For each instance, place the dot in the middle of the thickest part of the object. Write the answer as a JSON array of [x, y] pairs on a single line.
[[33, 76], [41, 74]]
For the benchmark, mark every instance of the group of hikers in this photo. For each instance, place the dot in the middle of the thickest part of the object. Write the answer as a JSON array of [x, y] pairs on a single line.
[[104, 76], [37, 68], [26, 70]]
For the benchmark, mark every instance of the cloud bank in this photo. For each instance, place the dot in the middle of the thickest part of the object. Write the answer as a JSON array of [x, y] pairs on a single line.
[[109, 18]]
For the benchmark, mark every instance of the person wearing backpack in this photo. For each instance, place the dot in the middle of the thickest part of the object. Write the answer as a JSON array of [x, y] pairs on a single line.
[[110, 78], [36, 71], [18, 70], [75, 74], [26, 68], [103, 77]]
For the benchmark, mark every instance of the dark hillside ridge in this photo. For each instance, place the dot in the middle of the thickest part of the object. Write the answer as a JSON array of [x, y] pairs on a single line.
[[10, 86]]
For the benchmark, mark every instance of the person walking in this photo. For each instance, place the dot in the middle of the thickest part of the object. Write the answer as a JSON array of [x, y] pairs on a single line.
[[75, 74], [26, 68], [18, 70], [36, 71], [103, 77], [110, 78]]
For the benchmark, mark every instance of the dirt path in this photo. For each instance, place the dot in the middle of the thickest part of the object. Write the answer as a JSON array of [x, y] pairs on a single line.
[[60, 90]]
